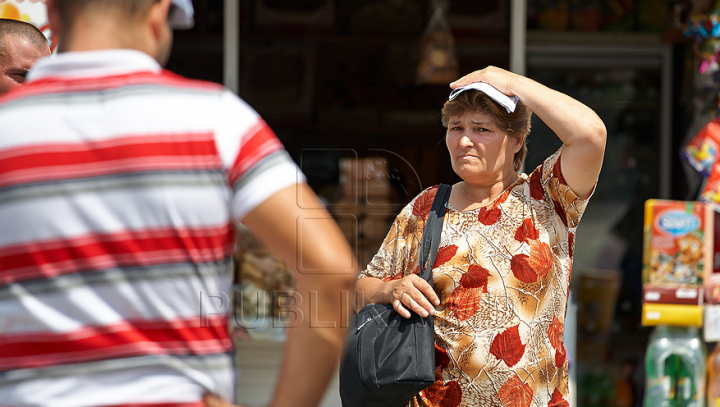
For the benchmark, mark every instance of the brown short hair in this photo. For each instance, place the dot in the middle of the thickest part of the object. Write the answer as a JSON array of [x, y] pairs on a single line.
[[516, 123], [23, 30], [130, 9]]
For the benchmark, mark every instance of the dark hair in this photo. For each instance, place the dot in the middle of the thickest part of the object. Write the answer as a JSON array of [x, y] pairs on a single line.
[[23, 30], [130, 9], [516, 123]]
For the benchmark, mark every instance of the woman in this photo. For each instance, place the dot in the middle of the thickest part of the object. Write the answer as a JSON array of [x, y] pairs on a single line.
[[501, 277]]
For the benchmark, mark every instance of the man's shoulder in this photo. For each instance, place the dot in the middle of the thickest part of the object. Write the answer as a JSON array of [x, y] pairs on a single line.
[[172, 79]]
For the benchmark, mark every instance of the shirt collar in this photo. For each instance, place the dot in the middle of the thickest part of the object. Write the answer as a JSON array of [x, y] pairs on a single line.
[[88, 64]]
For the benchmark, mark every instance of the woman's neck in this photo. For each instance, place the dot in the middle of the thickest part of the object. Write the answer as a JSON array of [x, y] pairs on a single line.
[[474, 195]]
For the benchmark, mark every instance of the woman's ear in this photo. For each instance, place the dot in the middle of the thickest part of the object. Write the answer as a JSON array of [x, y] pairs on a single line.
[[519, 141]]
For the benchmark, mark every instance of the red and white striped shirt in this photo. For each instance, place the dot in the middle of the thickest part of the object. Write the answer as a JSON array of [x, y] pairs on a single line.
[[119, 186]]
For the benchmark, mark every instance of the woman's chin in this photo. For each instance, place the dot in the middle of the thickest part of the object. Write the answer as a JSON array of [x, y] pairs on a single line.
[[467, 172]]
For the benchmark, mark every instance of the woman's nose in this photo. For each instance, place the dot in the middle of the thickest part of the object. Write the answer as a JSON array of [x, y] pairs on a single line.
[[465, 140]]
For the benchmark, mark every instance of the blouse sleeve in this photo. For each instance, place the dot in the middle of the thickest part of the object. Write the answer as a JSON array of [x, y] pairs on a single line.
[[399, 252], [568, 207]]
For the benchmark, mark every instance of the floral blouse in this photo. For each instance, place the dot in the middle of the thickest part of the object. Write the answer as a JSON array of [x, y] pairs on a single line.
[[502, 274]]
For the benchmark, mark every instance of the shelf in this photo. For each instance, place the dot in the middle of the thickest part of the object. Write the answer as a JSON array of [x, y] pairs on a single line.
[[583, 38], [368, 38]]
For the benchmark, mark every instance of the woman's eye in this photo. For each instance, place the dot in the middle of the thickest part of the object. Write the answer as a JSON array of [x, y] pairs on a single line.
[[456, 128]]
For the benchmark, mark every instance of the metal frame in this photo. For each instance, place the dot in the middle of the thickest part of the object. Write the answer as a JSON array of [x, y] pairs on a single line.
[[636, 56], [231, 46]]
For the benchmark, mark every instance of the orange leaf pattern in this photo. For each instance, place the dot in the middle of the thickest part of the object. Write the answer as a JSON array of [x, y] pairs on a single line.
[[560, 357], [464, 302], [560, 212], [555, 333], [526, 232], [502, 276], [488, 216], [442, 394], [522, 269], [557, 400], [422, 205], [536, 189], [515, 393], [508, 347], [476, 277], [444, 255], [557, 173], [540, 259], [442, 360]]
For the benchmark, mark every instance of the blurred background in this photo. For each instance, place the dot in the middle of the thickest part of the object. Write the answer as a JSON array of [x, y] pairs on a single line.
[[354, 91]]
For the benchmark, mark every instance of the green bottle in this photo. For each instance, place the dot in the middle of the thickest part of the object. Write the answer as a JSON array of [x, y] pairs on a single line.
[[675, 368]]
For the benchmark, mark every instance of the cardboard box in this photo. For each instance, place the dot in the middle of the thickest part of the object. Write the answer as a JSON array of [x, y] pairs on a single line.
[[677, 251]]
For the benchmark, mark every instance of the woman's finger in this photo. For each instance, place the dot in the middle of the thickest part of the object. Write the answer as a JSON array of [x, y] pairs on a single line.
[[412, 302], [398, 306], [428, 294]]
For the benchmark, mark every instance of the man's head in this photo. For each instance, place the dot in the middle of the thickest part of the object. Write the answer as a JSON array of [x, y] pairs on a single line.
[[21, 44], [144, 25]]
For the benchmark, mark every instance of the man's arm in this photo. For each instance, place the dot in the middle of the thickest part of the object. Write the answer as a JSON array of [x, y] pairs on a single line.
[[307, 239]]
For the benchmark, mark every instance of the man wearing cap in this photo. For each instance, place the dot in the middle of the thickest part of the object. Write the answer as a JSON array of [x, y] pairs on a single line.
[[120, 184], [21, 44]]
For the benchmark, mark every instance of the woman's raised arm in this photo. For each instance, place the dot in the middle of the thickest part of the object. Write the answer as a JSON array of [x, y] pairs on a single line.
[[581, 130]]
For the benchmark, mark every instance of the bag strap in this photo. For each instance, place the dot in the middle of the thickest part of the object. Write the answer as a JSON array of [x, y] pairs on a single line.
[[433, 227]]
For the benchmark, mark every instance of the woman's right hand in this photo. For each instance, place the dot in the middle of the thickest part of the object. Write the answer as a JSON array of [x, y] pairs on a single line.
[[412, 292]]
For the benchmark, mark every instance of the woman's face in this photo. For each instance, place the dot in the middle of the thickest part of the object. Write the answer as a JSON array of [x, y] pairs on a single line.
[[479, 151]]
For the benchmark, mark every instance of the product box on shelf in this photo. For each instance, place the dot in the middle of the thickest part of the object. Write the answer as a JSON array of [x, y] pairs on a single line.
[[677, 259]]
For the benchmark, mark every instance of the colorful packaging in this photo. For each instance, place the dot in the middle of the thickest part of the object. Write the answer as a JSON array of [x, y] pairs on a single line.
[[712, 281], [711, 190], [702, 151], [677, 251]]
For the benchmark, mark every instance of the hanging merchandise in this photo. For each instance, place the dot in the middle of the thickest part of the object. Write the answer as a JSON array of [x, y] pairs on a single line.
[[705, 28], [675, 364], [702, 151], [438, 59]]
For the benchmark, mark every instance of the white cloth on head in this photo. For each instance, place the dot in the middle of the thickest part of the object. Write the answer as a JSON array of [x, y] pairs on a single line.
[[509, 103]]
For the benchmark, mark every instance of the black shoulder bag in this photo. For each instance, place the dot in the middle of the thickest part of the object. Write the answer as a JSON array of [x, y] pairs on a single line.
[[389, 359]]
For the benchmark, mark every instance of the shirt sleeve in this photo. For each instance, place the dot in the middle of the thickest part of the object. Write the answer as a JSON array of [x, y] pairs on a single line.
[[568, 207], [399, 253], [257, 164]]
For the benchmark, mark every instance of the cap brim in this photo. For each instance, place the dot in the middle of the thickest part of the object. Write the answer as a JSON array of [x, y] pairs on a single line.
[[181, 15]]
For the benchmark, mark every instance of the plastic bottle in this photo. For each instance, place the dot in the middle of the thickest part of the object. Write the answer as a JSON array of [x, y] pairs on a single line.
[[675, 368], [713, 381]]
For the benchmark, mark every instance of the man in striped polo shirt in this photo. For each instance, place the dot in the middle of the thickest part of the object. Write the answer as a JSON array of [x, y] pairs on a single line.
[[120, 184]]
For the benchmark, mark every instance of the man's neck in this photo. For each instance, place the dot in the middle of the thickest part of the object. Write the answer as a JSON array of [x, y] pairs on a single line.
[[97, 34]]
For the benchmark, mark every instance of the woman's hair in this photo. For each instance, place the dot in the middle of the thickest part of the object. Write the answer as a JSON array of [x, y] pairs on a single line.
[[516, 124]]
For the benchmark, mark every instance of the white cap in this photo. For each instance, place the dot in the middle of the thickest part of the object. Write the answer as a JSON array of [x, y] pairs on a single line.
[[181, 16], [509, 103]]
